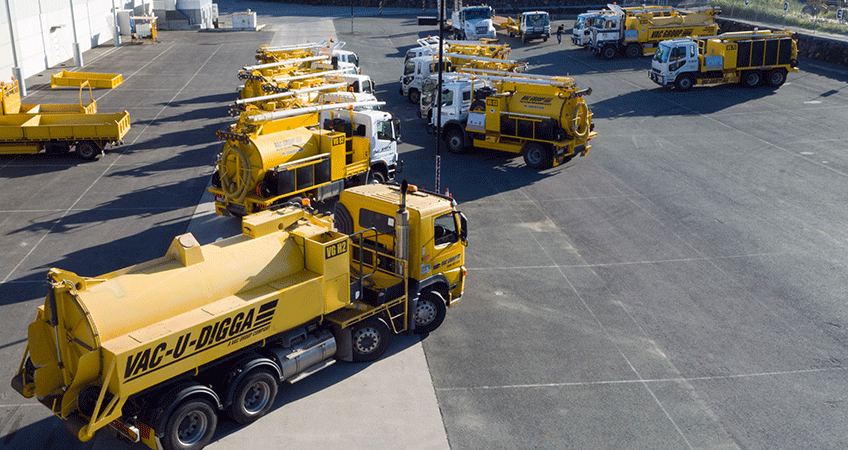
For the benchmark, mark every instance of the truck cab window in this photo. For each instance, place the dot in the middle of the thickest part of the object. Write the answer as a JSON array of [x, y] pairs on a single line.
[[384, 130], [444, 230]]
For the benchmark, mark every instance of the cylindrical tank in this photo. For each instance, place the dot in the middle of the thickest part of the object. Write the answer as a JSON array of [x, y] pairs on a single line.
[[565, 106], [151, 292], [244, 162]]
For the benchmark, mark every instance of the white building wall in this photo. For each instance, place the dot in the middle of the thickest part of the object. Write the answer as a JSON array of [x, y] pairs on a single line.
[[44, 33]]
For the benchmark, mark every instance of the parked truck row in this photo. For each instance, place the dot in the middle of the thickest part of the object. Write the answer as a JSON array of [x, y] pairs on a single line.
[[307, 128]]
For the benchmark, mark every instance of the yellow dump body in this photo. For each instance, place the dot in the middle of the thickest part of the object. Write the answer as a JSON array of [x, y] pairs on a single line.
[[138, 327], [11, 102], [20, 132], [97, 80]]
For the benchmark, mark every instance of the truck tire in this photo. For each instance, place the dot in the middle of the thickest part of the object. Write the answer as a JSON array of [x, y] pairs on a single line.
[[478, 105], [430, 311], [751, 78], [369, 340], [376, 177], [88, 150], [633, 50], [544, 39], [684, 82], [190, 426], [414, 96], [523, 38], [608, 52], [776, 77], [536, 156], [455, 140], [254, 397]]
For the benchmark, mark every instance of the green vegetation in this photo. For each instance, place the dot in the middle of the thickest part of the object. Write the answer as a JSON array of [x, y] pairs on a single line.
[[808, 15]]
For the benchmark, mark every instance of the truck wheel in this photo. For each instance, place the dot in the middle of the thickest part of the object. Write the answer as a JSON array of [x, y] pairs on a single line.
[[776, 77], [190, 426], [369, 340], [751, 78], [544, 39], [455, 140], [633, 51], [376, 176], [536, 157], [524, 38], [478, 105], [414, 96], [88, 150], [254, 397], [684, 82], [608, 52], [429, 312]]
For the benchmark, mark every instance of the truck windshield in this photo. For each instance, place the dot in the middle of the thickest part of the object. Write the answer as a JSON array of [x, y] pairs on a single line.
[[538, 20], [478, 13], [427, 90], [581, 21], [409, 67], [661, 55]]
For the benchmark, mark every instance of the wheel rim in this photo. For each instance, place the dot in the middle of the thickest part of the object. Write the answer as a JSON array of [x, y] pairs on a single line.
[[366, 340], [256, 397], [534, 156], [776, 78], [684, 83], [192, 427], [752, 79], [425, 312], [455, 142]]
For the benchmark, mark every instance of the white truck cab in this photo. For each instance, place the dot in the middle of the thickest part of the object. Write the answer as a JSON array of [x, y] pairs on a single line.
[[473, 22], [674, 57], [415, 71], [382, 129]]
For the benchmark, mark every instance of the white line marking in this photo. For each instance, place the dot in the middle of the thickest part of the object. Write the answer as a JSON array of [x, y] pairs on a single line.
[[639, 381]]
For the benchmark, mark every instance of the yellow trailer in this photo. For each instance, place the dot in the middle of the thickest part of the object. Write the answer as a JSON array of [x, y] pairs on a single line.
[[10, 102], [158, 350], [57, 133], [98, 80]]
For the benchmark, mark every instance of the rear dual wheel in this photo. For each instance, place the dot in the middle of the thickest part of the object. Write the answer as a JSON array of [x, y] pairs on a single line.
[[88, 150], [254, 397], [190, 426], [536, 156]]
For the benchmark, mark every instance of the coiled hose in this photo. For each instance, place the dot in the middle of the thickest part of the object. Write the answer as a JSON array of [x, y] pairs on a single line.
[[237, 187], [580, 121]]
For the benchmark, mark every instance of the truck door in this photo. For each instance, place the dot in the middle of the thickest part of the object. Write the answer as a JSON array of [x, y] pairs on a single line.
[[445, 250]]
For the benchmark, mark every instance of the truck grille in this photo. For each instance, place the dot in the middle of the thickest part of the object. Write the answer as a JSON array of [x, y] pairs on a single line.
[[482, 30]]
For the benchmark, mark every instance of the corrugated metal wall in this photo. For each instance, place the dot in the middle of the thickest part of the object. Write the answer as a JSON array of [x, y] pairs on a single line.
[[44, 33]]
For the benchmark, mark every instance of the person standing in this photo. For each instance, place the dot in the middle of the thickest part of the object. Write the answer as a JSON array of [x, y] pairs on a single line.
[[560, 30]]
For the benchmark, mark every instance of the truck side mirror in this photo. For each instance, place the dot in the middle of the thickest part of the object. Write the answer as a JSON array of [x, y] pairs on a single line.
[[463, 228], [397, 130]]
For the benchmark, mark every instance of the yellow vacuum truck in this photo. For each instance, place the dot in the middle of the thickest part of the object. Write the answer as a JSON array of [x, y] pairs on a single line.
[[158, 350], [751, 58]]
